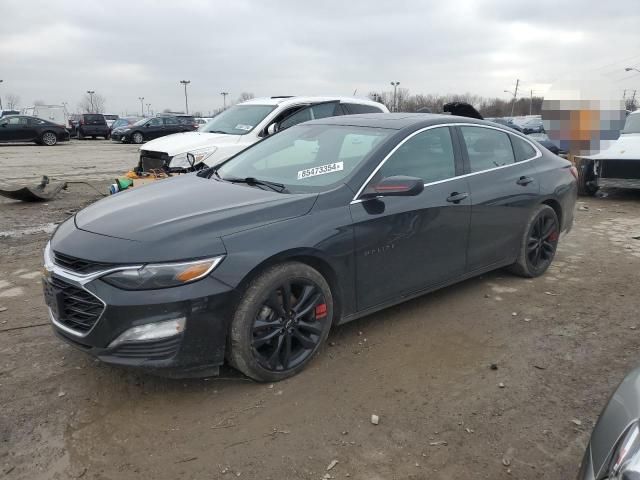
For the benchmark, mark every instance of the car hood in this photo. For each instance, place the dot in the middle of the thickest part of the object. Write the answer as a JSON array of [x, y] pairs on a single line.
[[627, 147], [189, 210], [622, 410], [188, 141]]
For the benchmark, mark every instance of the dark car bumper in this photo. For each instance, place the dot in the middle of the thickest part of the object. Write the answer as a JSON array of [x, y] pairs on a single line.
[[119, 137], [197, 351], [64, 136]]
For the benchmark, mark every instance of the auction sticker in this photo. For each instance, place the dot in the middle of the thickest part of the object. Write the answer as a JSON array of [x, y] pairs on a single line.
[[241, 126], [321, 170]]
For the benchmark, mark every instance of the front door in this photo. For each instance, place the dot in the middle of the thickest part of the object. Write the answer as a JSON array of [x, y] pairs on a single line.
[[154, 128], [504, 193], [408, 244]]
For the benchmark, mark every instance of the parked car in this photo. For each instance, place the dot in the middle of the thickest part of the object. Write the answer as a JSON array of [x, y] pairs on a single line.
[[616, 166], [4, 113], [255, 259], [202, 121], [21, 128], [533, 125], [506, 122], [148, 129], [544, 140], [92, 125], [242, 125], [110, 118], [613, 451], [122, 123]]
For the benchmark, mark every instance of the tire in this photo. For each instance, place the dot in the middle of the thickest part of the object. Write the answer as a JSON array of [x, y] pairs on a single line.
[[586, 177], [262, 332], [137, 137], [48, 138], [538, 244]]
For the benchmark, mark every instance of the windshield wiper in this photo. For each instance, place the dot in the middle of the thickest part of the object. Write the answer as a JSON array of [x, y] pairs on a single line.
[[216, 131], [276, 187]]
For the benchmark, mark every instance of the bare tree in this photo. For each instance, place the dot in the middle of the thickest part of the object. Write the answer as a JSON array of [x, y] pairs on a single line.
[[244, 96], [92, 105], [13, 101]]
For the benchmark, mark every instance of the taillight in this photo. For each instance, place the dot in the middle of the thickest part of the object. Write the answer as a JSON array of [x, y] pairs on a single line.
[[574, 172]]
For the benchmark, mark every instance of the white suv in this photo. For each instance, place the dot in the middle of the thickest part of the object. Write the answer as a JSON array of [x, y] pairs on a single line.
[[243, 125]]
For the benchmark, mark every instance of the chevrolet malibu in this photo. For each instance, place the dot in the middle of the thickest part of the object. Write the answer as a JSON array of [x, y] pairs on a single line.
[[254, 260]]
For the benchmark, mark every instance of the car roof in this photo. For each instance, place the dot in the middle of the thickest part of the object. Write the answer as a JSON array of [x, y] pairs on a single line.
[[395, 121], [286, 101]]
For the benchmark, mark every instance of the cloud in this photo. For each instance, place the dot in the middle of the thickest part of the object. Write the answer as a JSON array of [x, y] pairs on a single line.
[[125, 49]]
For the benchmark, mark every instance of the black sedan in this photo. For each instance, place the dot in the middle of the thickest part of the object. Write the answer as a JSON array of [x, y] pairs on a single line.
[[254, 260], [21, 128], [149, 128]]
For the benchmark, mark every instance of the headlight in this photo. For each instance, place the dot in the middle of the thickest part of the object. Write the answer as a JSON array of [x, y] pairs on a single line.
[[200, 155], [162, 275], [625, 462]]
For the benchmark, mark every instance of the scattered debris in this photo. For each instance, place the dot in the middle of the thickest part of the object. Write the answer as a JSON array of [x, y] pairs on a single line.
[[3, 309], [577, 422], [40, 192], [439, 443], [493, 366], [539, 367], [552, 294], [501, 385], [527, 319], [514, 314], [332, 464], [61, 394], [375, 419], [583, 207], [188, 459], [469, 430]]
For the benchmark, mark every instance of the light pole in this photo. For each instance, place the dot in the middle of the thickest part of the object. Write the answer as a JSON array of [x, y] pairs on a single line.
[[141, 105], [224, 100], [148, 109], [395, 87], [186, 103], [1, 97], [91, 92], [627, 69], [515, 94]]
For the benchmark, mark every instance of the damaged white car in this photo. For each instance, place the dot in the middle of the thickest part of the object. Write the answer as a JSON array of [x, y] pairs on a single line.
[[617, 166], [240, 126]]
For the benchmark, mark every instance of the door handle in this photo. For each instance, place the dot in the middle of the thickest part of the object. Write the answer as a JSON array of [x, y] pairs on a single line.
[[456, 197], [524, 181]]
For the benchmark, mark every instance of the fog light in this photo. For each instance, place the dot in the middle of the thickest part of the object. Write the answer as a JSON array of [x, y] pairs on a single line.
[[151, 331]]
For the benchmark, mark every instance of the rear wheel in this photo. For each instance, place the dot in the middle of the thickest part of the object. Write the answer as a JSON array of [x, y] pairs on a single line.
[[137, 137], [80, 135], [280, 323], [586, 177], [49, 139], [539, 243]]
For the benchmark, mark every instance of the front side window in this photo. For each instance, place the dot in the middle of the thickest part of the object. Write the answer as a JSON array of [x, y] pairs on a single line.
[[238, 120], [487, 148], [306, 158], [321, 110], [355, 108], [427, 155], [155, 122], [17, 121], [632, 124]]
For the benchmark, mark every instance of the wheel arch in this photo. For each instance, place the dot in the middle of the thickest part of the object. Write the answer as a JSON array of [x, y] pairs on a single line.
[[553, 203], [308, 256]]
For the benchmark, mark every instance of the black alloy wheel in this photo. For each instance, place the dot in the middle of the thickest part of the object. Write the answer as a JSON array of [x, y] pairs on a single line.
[[282, 319], [288, 326], [539, 243]]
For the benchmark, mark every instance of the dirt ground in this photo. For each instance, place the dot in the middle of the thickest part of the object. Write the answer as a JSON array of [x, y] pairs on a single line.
[[561, 343]]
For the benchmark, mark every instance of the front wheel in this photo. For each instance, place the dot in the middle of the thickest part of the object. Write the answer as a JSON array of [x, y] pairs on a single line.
[[586, 177], [49, 139], [539, 243], [137, 137], [280, 323]]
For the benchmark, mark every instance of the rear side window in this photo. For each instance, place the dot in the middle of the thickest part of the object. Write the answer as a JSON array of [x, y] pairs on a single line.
[[170, 121], [355, 108], [186, 120], [427, 155], [325, 110], [487, 148], [522, 149]]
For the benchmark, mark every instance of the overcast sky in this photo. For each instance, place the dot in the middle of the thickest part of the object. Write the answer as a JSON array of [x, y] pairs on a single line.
[[126, 49]]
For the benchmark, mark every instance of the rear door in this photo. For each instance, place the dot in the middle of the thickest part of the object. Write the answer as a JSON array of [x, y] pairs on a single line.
[[17, 129], [172, 125], [504, 189], [154, 128], [408, 244]]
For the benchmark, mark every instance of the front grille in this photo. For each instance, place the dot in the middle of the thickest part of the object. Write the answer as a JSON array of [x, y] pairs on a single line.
[[152, 350], [79, 265], [150, 160], [620, 169], [78, 309]]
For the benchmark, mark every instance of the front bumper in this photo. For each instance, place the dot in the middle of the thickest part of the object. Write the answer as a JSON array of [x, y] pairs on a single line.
[[197, 351], [119, 137]]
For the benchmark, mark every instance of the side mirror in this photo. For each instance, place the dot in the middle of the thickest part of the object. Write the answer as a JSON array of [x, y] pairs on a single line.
[[147, 125], [271, 129], [396, 186]]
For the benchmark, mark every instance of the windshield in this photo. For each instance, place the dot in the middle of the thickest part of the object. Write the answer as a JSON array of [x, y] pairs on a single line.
[[238, 120], [306, 158], [632, 125]]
